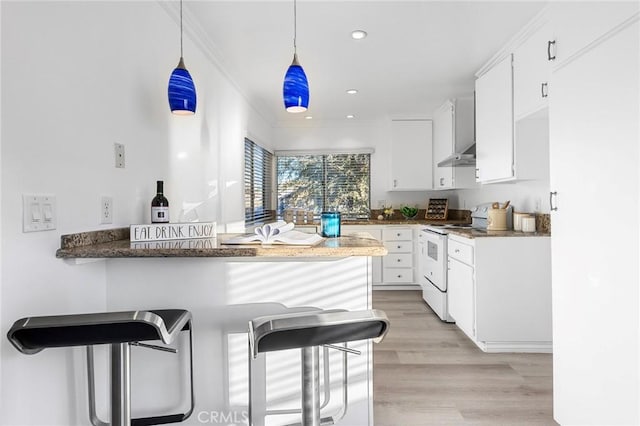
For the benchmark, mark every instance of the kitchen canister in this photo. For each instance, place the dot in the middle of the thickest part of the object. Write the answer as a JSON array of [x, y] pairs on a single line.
[[497, 220], [529, 224], [517, 220]]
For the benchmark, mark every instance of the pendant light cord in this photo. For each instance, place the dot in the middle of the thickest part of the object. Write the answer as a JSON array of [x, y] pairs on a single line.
[[295, 28], [180, 28]]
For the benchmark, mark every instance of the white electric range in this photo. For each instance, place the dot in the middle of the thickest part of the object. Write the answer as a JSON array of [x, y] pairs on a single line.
[[432, 267]]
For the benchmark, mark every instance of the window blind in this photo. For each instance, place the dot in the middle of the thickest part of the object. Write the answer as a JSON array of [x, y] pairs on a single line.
[[325, 182], [258, 187]]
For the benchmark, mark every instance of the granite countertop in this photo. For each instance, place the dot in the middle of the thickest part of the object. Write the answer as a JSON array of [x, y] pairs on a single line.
[[402, 222], [115, 243]]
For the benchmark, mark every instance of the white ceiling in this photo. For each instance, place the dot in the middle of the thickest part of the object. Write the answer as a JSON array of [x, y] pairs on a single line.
[[417, 54]]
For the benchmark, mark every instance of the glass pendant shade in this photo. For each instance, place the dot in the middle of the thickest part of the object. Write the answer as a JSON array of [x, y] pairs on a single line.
[[182, 91], [295, 90]]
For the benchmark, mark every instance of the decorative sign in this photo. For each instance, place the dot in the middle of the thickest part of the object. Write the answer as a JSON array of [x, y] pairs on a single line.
[[172, 231], [199, 244]]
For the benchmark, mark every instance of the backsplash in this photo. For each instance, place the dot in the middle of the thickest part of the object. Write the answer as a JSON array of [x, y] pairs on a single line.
[[453, 214]]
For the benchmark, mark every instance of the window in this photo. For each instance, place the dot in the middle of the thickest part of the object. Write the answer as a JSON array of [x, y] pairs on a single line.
[[324, 182], [258, 178]]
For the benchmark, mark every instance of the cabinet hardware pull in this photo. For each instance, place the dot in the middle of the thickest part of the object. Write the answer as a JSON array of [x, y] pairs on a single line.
[[441, 181], [552, 195], [549, 56], [399, 260], [544, 89], [477, 173], [395, 183], [457, 251], [399, 246], [399, 276], [397, 235]]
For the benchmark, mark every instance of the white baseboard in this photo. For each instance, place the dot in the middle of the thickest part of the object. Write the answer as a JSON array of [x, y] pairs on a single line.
[[521, 347], [396, 287]]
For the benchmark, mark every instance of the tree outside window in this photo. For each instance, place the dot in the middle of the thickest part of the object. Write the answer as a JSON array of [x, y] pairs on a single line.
[[327, 182]]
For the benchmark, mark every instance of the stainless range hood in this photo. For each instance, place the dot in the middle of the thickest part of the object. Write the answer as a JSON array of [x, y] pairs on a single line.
[[466, 158]]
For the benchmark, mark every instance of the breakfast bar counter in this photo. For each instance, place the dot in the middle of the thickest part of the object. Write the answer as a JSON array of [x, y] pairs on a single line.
[[225, 286], [115, 243]]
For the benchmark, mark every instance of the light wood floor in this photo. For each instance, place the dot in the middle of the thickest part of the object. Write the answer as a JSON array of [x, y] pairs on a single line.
[[427, 372]]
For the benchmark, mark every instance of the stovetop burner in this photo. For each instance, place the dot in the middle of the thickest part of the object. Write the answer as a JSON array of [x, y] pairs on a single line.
[[441, 228]]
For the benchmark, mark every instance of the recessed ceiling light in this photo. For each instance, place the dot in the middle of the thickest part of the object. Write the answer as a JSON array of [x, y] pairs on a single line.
[[352, 91], [358, 34], [351, 116], [308, 117]]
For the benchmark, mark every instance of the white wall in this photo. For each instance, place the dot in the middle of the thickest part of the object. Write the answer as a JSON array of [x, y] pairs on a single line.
[[0, 222], [524, 195], [77, 77]]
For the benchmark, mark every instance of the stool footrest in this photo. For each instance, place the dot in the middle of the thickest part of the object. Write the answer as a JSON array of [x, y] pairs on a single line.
[[158, 420]]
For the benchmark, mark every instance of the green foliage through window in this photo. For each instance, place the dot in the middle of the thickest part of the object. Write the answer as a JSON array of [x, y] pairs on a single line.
[[329, 182]]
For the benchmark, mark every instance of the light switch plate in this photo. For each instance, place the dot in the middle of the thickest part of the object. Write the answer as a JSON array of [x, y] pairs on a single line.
[[119, 155], [38, 212]]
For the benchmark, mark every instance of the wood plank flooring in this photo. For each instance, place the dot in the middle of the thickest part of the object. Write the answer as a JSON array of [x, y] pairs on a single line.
[[427, 372]]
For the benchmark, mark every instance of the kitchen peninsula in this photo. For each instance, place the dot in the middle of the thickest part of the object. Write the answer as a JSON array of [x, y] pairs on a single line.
[[224, 287]]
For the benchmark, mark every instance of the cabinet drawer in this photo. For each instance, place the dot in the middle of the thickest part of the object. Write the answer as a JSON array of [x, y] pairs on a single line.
[[398, 261], [462, 252], [397, 275], [397, 234], [399, 246]]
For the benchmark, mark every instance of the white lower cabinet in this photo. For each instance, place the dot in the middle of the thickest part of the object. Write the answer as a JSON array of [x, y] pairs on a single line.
[[398, 265], [500, 291], [461, 298], [398, 268]]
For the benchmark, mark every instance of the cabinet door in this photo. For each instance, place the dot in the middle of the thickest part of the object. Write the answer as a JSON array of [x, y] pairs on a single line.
[[531, 68], [443, 145], [578, 24], [594, 133], [461, 296], [411, 162], [494, 123]]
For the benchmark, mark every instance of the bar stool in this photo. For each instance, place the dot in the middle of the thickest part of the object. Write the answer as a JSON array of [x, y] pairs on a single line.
[[308, 331], [120, 330]]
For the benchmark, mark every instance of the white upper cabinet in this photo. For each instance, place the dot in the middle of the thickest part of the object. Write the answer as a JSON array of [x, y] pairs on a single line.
[[452, 132], [531, 70], [594, 132], [411, 163], [576, 28], [494, 123]]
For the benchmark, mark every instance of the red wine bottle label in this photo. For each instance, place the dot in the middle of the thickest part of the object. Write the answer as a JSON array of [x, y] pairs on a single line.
[[160, 214]]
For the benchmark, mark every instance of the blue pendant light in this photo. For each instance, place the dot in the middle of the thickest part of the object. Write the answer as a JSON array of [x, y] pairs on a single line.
[[182, 91], [295, 89]]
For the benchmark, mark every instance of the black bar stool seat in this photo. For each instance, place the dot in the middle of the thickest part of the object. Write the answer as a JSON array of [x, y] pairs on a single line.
[[118, 329], [308, 331], [33, 334]]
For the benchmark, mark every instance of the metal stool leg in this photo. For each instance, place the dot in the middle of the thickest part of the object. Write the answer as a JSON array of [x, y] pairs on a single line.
[[311, 386], [120, 384]]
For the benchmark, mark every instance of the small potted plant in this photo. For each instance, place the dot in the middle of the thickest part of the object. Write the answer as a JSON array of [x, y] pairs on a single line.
[[387, 211], [409, 212]]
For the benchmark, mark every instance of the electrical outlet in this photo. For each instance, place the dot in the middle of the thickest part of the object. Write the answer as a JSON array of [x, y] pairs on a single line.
[[119, 155], [106, 209]]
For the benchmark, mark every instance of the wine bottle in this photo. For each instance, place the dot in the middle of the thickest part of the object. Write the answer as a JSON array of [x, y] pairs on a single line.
[[160, 205]]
